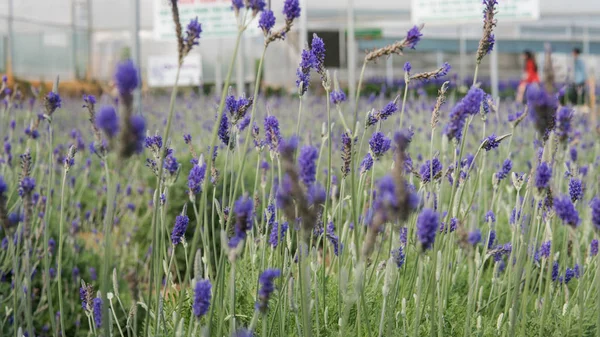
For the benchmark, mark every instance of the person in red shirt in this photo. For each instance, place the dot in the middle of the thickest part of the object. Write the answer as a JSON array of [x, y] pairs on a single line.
[[529, 76]]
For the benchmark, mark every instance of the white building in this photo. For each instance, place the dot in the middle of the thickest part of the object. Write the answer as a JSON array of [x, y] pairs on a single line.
[[51, 37]]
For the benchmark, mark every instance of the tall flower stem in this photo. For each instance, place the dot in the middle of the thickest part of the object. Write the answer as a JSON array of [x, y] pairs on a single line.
[[47, 214], [299, 116], [154, 284], [61, 239], [108, 223], [353, 168], [232, 296], [245, 151], [220, 113], [404, 102]]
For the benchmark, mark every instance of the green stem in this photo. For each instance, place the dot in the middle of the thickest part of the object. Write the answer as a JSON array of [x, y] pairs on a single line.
[[47, 214], [108, 223], [156, 238], [404, 102], [60, 247]]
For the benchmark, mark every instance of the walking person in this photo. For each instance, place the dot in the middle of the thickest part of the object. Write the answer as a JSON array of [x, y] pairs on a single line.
[[530, 74]]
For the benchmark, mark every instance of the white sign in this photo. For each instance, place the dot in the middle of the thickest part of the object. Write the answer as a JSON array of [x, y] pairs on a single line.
[[216, 16], [431, 12], [163, 69]]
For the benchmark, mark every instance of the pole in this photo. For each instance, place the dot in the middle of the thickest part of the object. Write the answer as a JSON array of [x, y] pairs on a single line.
[[439, 57], [74, 39], [351, 52], [463, 52], [90, 73], [136, 55], [389, 71], [11, 52], [218, 71], [303, 26], [586, 40], [494, 71]]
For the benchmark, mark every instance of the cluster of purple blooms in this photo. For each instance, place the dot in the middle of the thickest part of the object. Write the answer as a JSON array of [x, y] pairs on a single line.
[[267, 287], [311, 59], [382, 114], [468, 106], [244, 217]]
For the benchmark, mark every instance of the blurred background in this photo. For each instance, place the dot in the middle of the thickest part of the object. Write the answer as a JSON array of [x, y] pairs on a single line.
[[81, 40]]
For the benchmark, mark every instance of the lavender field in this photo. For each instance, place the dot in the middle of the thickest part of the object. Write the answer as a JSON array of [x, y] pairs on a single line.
[[308, 214]]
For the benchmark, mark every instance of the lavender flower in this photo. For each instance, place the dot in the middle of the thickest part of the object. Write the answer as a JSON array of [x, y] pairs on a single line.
[[566, 211], [407, 67], [307, 164], [554, 271], [202, 296], [137, 130], [223, 132], [171, 165], [337, 96], [272, 134], [83, 296], [366, 164], [504, 170], [274, 236], [403, 235], [399, 256], [266, 289], [291, 9], [427, 76], [413, 36], [333, 239], [266, 21], [126, 77], [97, 310], [426, 172], [3, 187], [26, 186], [107, 120], [303, 72], [491, 142], [486, 44], [595, 206], [490, 217], [379, 144], [491, 239], [594, 247], [569, 274], [542, 107], [427, 226], [196, 177], [382, 114], [244, 209], [256, 5], [563, 120], [575, 189], [573, 154], [317, 49], [181, 224], [192, 35], [474, 237], [347, 151], [237, 4], [469, 105], [52, 101], [545, 249], [543, 176]]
